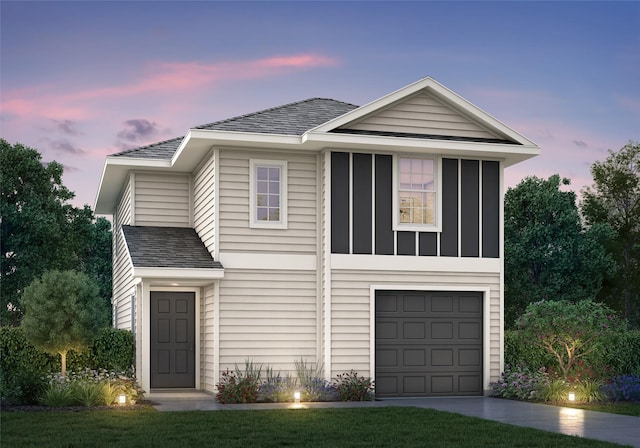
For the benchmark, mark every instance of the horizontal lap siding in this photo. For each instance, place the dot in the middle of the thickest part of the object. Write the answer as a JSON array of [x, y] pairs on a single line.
[[203, 202], [350, 311], [235, 233], [162, 200], [207, 368], [422, 114], [122, 269], [268, 317]]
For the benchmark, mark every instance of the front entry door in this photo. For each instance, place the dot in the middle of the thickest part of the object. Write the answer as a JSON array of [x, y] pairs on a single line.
[[173, 338]]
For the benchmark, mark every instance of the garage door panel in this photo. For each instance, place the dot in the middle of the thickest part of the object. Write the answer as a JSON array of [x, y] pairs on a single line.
[[428, 343]]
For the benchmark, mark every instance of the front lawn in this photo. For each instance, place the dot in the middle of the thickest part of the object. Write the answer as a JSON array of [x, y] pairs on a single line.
[[371, 427]]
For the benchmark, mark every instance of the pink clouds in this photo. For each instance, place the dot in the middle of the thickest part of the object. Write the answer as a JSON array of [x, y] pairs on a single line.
[[159, 78]]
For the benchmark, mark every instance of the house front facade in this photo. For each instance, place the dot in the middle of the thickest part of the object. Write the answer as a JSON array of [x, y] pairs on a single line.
[[365, 238]]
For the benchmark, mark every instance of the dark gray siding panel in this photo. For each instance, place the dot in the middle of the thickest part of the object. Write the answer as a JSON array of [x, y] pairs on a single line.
[[490, 209], [340, 202], [384, 191], [428, 244], [362, 213], [469, 208], [406, 243], [449, 235]]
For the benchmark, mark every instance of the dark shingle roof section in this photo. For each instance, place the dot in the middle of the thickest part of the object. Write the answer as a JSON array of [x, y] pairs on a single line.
[[167, 247], [289, 119]]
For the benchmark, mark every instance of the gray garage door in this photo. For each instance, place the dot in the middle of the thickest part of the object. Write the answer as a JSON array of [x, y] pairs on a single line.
[[428, 343]]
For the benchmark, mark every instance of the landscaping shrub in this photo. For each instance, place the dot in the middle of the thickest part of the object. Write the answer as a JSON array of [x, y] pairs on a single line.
[[276, 389], [350, 387], [623, 388], [520, 382], [555, 390], [23, 367], [589, 391], [314, 386], [89, 388], [240, 386], [622, 353], [520, 351]]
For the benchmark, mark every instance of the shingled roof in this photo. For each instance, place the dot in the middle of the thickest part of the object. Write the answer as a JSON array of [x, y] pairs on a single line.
[[289, 119], [167, 247]]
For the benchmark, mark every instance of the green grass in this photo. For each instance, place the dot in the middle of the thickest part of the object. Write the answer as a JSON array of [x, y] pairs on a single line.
[[370, 427]]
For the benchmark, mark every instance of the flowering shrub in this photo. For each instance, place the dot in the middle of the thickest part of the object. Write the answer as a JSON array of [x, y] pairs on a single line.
[[350, 387], [623, 388], [238, 386], [319, 389], [276, 389], [521, 383], [89, 388]]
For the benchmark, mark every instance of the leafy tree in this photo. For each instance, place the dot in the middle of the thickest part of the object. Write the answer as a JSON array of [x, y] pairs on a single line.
[[63, 312], [569, 331], [548, 254], [614, 199], [41, 231]]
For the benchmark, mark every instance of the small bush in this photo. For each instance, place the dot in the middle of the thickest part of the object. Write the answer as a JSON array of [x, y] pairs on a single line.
[[623, 388], [276, 389], [589, 391], [555, 390], [350, 387], [240, 386], [520, 382], [89, 388]]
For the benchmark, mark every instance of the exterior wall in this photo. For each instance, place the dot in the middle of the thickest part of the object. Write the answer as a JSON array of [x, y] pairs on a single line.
[[162, 200], [123, 286], [236, 236], [422, 114], [351, 302], [204, 201], [362, 209], [207, 339], [267, 316]]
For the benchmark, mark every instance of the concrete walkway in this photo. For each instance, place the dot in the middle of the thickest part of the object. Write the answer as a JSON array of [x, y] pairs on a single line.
[[620, 429]]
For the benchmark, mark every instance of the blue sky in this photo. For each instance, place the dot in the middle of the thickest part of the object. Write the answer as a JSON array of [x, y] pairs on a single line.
[[83, 79]]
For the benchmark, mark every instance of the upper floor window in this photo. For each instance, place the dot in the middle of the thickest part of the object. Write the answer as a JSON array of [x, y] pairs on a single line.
[[268, 194], [417, 189]]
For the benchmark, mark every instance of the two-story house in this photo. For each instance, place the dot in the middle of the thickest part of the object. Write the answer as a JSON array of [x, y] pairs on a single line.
[[366, 238]]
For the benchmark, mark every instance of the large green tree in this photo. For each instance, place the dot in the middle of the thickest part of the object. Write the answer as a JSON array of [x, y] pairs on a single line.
[[41, 230], [614, 199], [63, 311], [548, 253]]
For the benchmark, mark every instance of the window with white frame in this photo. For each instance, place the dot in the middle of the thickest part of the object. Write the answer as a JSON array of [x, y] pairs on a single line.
[[268, 194], [417, 192]]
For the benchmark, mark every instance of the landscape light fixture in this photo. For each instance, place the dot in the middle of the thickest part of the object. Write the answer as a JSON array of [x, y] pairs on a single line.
[[572, 396], [296, 396], [122, 399]]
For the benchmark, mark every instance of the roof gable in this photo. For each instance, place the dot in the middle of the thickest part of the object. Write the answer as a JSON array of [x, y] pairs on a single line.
[[424, 109]]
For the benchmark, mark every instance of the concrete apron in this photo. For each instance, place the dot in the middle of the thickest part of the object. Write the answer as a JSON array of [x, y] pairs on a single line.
[[620, 429]]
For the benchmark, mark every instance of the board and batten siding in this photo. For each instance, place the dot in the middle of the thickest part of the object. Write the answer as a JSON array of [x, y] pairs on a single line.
[[422, 113], [204, 201], [269, 317], [207, 346], [351, 311], [235, 234], [162, 200]]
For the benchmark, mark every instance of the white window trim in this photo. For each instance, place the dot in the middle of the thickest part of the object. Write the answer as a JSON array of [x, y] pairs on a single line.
[[284, 186], [399, 227]]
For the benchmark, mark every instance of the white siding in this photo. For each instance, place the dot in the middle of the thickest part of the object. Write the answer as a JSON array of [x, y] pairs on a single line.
[[162, 200], [203, 202], [235, 234], [350, 312], [207, 353], [422, 114], [267, 316], [122, 270]]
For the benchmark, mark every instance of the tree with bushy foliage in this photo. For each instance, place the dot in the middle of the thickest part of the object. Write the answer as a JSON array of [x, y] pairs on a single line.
[[614, 199], [63, 312], [570, 331], [41, 231], [548, 254]]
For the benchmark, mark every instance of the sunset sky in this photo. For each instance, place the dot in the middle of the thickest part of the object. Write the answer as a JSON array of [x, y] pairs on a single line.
[[83, 79]]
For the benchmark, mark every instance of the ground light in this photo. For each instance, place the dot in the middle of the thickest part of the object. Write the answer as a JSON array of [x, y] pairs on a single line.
[[296, 396], [572, 396], [122, 399]]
